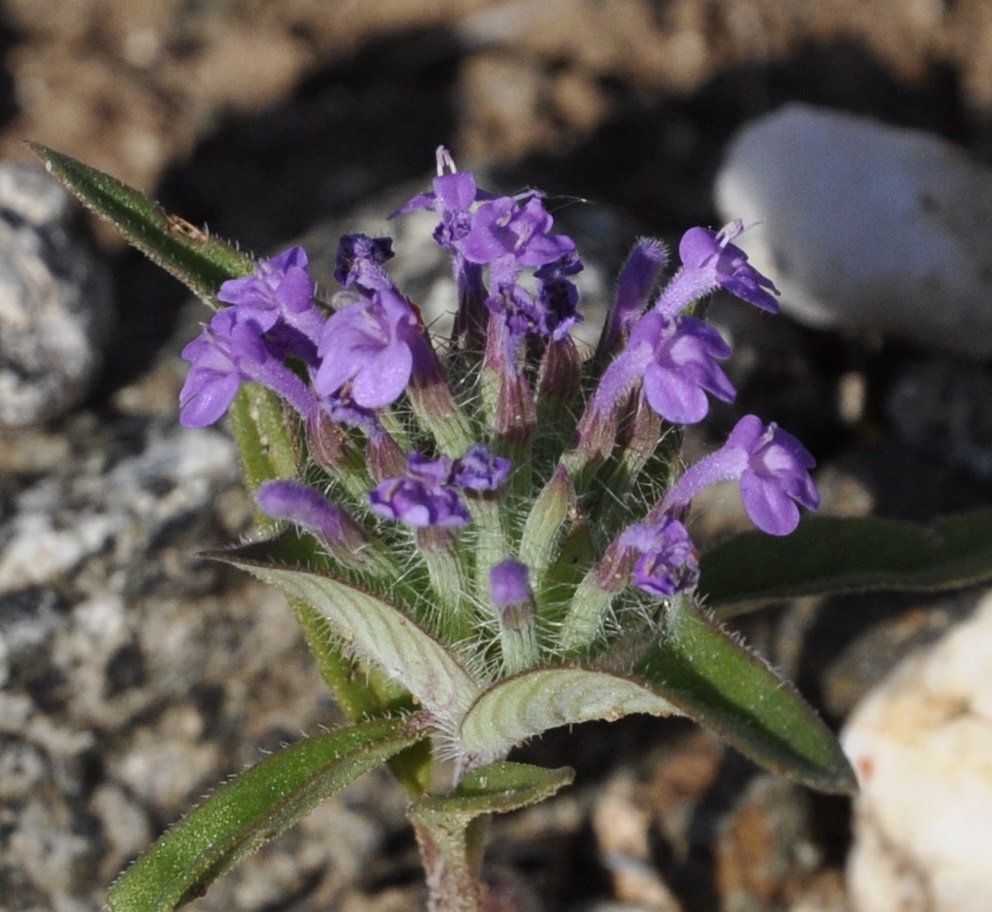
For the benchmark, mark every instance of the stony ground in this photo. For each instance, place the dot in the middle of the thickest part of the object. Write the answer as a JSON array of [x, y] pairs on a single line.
[[138, 679]]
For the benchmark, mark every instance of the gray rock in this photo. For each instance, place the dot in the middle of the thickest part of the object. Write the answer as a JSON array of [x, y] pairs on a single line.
[[865, 226], [54, 301], [134, 678]]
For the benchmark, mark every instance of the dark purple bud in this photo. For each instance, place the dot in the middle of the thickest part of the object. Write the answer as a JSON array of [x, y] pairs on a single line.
[[302, 505], [480, 469], [556, 308], [511, 594], [359, 261], [637, 280]]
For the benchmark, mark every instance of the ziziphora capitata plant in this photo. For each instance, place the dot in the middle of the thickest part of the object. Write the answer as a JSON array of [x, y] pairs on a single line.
[[517, 506], [485, 536]]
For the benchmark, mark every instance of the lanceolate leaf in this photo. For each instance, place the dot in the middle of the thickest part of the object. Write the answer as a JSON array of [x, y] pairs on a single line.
[[833, 555], [730, 690], [251, 810], [544, 698], [199, 261], [372, 629]]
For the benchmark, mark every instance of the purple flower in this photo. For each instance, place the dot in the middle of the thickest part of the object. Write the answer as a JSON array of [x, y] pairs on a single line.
[[682, 367], [422, 497], [506, 234], [676, 361], [710, 261], [452, 199], [280, 289], [427, 493], [509, 237], [455, 195], [773, 468], [229, 351], [777, 475], [549, 315], [503, 228], [373, 344], [217, 358], [454, 191], [277, 284], [669, 562], [479, 469]]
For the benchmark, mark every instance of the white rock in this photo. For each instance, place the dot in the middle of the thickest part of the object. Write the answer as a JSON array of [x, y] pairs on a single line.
[[922, 745], [866, 226]]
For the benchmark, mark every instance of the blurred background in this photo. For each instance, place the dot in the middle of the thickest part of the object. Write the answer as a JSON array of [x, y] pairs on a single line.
[[259, 118]]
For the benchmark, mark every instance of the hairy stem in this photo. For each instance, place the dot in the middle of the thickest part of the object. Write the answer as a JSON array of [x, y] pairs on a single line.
[[452, 860]]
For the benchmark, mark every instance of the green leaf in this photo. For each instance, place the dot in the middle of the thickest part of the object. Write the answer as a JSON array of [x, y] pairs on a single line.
[[199, 261], [535, 701], [496, 789], [711, 677], [251, 810], [363, 693], [370, 628], [833, 555]]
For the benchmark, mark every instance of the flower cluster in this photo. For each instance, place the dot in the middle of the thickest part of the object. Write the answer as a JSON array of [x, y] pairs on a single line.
[[510, 442]]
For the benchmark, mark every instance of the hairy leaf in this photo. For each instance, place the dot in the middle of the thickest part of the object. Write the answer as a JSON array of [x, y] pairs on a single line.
[[201, 262], [495, 789], [535, 701], [251, 810], [370, 628], [727, 688]]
